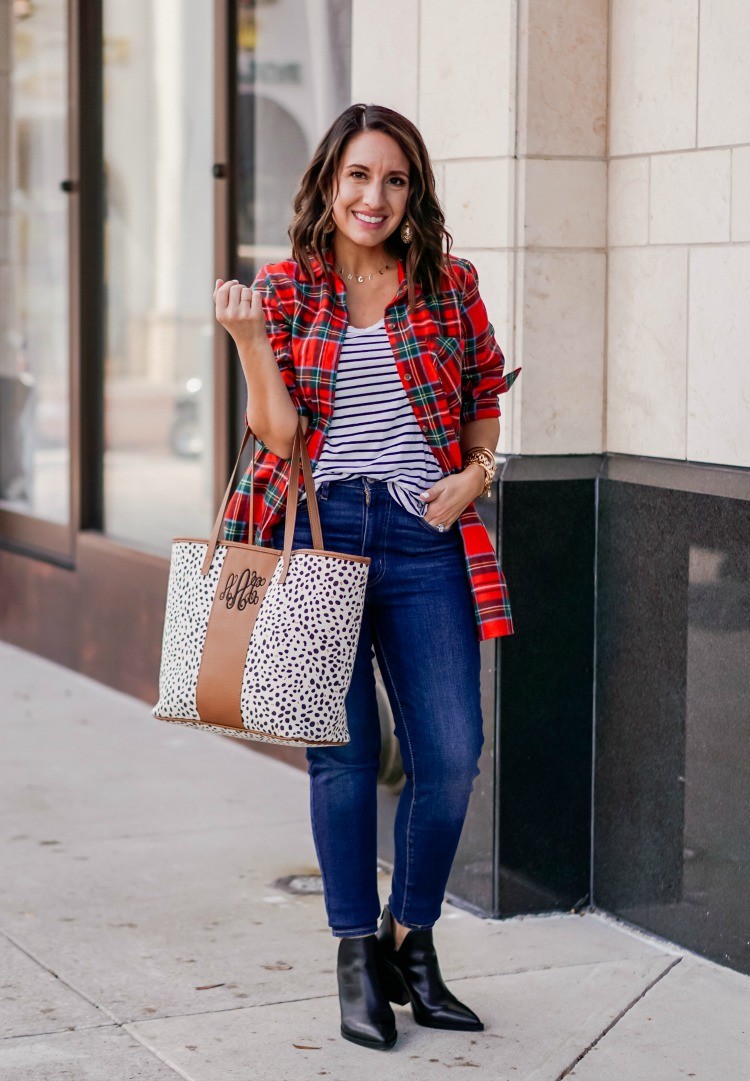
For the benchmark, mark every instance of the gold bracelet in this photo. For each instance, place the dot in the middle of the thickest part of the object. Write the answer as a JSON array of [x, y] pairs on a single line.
[[487, 452], [487, 478], [485, 457]]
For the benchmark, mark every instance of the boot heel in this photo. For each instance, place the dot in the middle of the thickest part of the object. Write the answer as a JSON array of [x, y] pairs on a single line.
[[393, 984]]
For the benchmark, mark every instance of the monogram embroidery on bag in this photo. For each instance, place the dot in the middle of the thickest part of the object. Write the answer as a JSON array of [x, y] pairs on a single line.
[[246, 591]]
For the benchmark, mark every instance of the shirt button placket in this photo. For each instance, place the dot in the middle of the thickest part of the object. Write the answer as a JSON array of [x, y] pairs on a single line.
[[392, 326]]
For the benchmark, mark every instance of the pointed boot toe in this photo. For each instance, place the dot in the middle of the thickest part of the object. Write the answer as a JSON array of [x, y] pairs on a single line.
[[412, 974], [367, 1018]]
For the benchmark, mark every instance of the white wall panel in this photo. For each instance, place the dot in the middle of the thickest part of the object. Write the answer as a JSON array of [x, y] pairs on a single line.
[[646, 357], [724, 98], [563, 109], [466, 65], [690, 197], [563, 346], [654, 63], [719, 356]]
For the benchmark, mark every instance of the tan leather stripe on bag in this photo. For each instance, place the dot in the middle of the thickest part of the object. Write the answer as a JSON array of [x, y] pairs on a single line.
[[243, 583]]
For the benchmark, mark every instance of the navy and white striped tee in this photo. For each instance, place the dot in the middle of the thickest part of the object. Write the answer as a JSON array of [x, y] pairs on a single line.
[[373, 431]]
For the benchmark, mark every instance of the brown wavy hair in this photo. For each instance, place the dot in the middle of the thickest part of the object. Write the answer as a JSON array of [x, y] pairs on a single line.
[[424, 258]]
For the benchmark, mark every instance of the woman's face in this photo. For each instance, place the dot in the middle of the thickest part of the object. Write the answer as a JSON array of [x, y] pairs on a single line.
[[373, 180]]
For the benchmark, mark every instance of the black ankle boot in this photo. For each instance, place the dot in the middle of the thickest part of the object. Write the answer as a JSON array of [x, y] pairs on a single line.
[[366, 1014], [411, 973]]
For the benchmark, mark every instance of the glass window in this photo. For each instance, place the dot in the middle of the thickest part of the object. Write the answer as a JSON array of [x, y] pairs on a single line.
[[294, 78], [34, 350], [158, 156]]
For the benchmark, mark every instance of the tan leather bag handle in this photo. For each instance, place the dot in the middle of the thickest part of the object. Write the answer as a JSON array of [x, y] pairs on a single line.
[[299, 451]]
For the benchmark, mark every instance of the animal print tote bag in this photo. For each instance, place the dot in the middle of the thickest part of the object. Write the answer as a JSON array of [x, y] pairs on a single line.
[[258, 642]]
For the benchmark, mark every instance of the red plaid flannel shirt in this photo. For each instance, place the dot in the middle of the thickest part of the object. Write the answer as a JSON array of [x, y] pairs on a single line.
[[451, 368]]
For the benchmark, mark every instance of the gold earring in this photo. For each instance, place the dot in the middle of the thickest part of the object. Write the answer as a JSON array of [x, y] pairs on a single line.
[[407, 234]]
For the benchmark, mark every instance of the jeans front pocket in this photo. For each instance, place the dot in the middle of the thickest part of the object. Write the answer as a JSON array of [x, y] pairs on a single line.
[[433, 528]]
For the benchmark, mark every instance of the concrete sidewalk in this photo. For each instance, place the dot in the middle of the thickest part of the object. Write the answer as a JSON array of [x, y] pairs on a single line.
[[144, 935]]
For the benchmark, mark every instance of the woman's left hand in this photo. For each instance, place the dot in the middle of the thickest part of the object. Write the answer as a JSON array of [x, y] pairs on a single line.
[[449, 497]]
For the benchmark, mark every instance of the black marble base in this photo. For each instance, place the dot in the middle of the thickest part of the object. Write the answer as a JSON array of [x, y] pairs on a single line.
[[616, 770], [546, 702], [672, 783]]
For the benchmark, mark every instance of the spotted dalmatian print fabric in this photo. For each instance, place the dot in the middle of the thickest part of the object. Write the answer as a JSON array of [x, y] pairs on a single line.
[[299, 658]]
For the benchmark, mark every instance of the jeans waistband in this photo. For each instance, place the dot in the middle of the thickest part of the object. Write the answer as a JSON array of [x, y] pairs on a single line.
[[357, 484]]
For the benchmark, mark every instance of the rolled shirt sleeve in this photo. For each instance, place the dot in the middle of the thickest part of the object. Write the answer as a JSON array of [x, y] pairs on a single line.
[[483, 379], [279, 332]]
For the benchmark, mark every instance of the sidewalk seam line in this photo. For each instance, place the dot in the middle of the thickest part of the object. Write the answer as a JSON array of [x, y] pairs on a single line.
[[57, 1031], [615, 1020], [152, 1051], [57, 976]]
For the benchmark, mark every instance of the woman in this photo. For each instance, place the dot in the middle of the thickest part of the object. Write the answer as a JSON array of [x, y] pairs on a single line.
[[380, 342]]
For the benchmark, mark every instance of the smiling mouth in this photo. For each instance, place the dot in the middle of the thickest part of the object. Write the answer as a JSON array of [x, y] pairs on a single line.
[[369, 219]]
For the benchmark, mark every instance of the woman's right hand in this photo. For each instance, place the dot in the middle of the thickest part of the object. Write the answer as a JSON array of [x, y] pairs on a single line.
[[239, 309]]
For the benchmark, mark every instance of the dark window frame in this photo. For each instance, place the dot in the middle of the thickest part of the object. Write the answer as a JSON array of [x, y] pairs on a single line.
[[58, 543]]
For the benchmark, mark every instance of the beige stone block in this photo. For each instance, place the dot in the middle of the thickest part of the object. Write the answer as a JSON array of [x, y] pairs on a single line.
[[6, 168], [627, 211], [495, 270], [653, 83], [719, 356], [496, 287], [646, 354], [563, 352], [8, 352], [479, 202], [438, 168], [6, 128], [5, 235], [689, 201], [6, 38], [379, 71], [565, 203], [741, 193], [724, 100], [563, 104], [466, 76]]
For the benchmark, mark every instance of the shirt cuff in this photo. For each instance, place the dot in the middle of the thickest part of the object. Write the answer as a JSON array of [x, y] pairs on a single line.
[[479, 410]]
